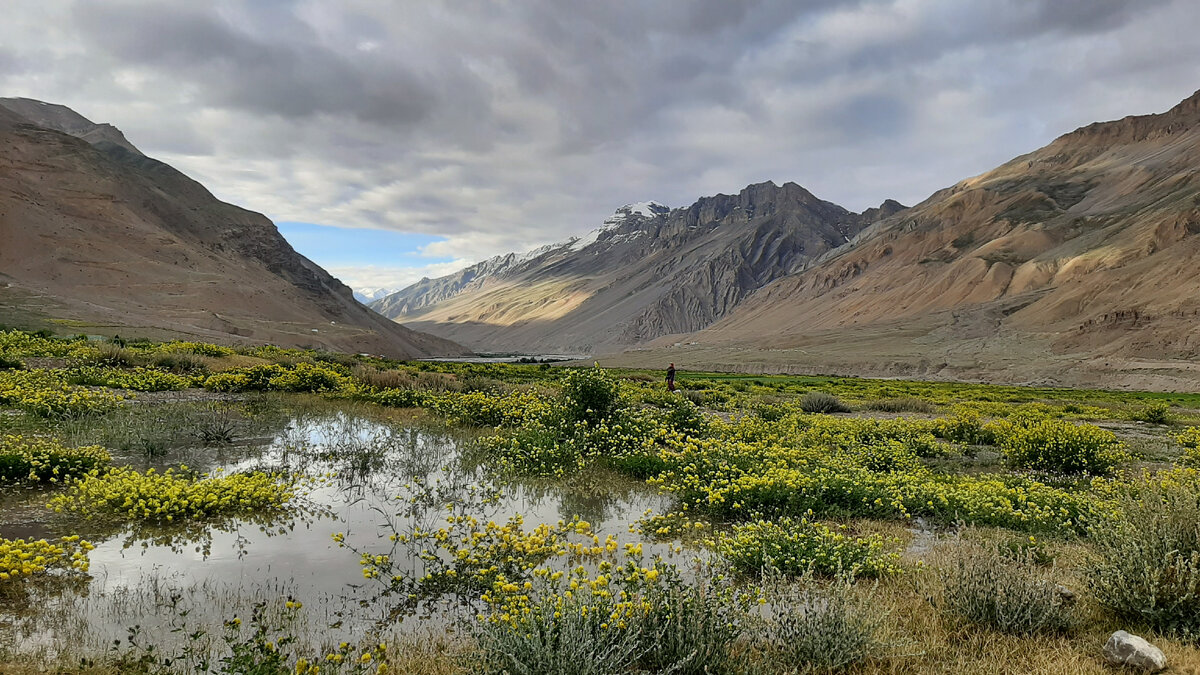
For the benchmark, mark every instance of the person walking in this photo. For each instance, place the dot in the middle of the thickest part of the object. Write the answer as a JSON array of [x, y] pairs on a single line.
[[671, 377]]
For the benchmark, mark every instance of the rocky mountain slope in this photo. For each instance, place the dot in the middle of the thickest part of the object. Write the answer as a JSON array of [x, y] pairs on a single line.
[[1075, 264], [102, 237], [647, 272]]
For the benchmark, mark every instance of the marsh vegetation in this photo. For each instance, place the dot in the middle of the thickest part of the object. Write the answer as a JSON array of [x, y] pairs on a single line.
[[184, 507]]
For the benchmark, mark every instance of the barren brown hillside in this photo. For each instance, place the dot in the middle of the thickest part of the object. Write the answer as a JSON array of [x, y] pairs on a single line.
[[1077, 263], [113, 241]]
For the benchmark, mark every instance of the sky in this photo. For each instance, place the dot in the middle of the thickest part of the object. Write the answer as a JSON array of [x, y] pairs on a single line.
[[399, 139]]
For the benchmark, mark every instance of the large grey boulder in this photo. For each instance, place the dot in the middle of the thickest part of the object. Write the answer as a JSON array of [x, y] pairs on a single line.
[[1123, 649]]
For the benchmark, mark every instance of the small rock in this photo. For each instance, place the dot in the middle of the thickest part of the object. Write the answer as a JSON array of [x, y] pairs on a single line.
[[1123, 649], [1067, 595]]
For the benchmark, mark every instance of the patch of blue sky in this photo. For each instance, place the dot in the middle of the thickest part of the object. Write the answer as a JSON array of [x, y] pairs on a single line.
[[332, 246]]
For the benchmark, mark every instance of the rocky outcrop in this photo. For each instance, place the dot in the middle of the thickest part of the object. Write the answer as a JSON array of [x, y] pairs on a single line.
[[118, 241], [61, 118]]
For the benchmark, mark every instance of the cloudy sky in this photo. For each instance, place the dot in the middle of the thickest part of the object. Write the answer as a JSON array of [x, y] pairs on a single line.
[[397, 139]]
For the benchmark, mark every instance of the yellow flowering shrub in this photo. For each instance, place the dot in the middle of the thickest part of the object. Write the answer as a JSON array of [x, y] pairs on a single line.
[[198, 348], [20, 343], [310, 377], [48, 394], [125, 494], [395, 398], [798, 547], [1190, 440], [468, 556], [39, 459], [1058, 446], [481, 409], [20, 559], [622, 617], [136, 379], [302, 377], [752, 468]]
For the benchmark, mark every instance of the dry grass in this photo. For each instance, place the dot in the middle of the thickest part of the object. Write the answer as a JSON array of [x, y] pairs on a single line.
[[937, 645], [904, 404], [934, 644], [371, 376], [429, 655]]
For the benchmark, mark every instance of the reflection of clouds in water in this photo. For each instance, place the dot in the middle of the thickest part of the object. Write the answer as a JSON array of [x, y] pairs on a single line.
[[223, 568]]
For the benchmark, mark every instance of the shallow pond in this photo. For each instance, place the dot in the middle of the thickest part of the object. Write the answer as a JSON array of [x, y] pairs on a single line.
[[369, 477]]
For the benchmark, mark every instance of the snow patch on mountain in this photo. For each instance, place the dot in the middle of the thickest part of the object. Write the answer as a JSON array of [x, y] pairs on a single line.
[[369, 295], [623, 214]]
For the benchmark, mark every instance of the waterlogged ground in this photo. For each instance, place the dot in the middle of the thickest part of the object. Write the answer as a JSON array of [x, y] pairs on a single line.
[[367, 475], [449, 517]]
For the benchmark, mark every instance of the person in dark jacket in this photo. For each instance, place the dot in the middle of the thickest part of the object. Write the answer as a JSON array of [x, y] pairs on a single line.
[[671, 377]]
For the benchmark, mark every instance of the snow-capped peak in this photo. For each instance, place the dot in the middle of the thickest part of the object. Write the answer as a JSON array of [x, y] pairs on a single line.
[[366, 295], [643, 209], [640, 209]]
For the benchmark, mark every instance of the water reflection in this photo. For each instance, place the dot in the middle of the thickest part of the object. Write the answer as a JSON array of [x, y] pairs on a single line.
[[369, 477]]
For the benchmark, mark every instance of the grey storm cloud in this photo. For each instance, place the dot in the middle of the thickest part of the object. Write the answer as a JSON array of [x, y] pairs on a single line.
[[285, 74], [504, 125]]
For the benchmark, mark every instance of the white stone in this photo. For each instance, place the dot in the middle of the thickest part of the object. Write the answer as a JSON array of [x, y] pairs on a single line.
[[1123, 649]]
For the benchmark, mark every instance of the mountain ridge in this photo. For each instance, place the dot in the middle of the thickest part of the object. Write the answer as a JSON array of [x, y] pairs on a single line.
[[691, 265], [116, 239], [1068, 264]]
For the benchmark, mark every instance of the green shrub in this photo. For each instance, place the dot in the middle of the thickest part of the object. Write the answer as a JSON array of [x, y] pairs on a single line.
[[46, 393], [10, 362], [1026, 549], [589, 395], [1155, 413], [197, 348], [477, 409], [886, 456], [991, 588], [771, 412], [640, 466], [1146, 562], [301, 377], [397, 398], [1060, 447], [378, 378], [486, 385], [822, 402], [683, 416]]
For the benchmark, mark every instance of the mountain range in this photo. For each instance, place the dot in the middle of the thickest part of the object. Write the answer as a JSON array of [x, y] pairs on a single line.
[[1074, 264], [648, 271], [100, 238]]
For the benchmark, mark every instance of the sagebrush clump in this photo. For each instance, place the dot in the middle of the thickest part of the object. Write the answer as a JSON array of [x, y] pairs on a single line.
[[822, 402], [1006, 592], [1146, 558]]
